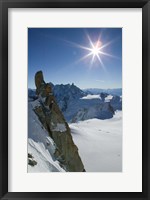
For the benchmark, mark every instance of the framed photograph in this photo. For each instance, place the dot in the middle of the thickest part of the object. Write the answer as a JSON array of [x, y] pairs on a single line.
[[74, 99]]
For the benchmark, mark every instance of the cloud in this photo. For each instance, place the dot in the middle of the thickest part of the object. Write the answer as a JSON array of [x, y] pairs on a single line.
[[102, 81]]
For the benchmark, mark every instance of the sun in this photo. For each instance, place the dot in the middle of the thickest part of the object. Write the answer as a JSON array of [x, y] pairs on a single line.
[[95, 51]]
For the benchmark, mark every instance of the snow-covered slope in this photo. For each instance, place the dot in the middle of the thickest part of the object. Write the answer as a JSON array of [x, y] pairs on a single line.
[[40, 145], [100, 143], [89, 109], [108, 98]]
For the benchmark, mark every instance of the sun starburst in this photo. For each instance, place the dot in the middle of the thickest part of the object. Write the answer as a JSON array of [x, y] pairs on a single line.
[[95, 51]]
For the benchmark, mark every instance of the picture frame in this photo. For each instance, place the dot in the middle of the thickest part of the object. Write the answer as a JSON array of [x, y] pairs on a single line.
[[4, 6]]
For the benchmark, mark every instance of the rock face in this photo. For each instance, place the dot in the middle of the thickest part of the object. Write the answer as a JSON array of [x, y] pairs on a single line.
[[53, 120]]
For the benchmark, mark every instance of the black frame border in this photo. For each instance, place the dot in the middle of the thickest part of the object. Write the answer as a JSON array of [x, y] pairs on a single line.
[[4, 6]]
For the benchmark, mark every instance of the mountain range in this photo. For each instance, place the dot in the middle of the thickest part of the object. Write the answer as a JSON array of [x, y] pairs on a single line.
[[78, 105], [116, 91]]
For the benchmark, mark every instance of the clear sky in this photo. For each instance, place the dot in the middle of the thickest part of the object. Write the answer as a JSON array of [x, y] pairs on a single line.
[[87, 57]]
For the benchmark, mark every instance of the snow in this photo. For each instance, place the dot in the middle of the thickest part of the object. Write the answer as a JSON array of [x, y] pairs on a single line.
[[108, 98], [44, 160], [40, 145], [42, 99], [120, 98], [35, 103], [90, 96], [60, 127], [100, 143]]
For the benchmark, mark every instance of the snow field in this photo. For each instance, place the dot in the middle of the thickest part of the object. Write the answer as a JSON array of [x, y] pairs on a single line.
[[100, 143]]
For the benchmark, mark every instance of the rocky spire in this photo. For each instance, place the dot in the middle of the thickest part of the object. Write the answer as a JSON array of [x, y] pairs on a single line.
[[53, 120]]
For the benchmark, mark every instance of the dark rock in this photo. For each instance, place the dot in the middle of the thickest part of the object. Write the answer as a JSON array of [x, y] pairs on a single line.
[[30, 155], [32, 162], [39, 81]]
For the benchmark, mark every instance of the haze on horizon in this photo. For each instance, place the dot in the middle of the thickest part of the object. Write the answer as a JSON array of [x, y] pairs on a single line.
[[89, 58]]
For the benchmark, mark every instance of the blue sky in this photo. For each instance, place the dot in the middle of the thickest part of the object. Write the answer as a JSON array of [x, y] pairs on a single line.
[[60, 52]]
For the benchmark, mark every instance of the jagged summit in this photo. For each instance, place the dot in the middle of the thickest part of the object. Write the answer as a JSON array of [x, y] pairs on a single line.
[[52, 119]]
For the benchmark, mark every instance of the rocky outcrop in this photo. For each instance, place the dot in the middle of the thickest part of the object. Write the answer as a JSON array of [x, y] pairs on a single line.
[[53, 120], [31, 160]]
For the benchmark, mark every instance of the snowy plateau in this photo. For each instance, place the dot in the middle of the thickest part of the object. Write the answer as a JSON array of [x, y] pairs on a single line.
[[100, 143], [95, 120]]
